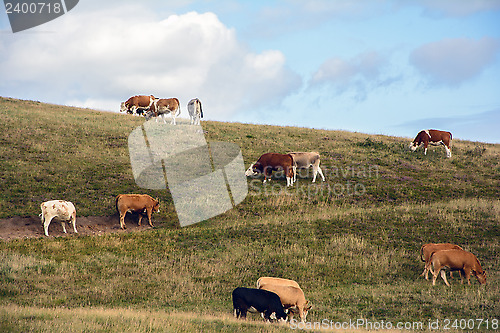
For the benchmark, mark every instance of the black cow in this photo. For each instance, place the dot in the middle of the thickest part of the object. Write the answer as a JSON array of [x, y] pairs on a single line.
[[258, 300]]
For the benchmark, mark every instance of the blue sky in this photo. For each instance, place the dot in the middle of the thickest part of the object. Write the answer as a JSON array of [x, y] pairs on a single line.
[[378, 66]]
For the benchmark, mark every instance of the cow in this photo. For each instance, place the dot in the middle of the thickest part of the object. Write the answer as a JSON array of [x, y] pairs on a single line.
[[428, 249], [267, 303], [195, 111], [275, 280], [136, 203], [63, 211], [433, 137], [456, 260], [306, 160], [137, 104], [269, 162], [292, 298], [163, 106]]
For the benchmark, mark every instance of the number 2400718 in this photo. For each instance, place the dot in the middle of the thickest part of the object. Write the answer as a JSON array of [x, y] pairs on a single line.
[[33, 8]]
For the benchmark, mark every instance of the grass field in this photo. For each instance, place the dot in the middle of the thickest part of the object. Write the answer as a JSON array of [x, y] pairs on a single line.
[[351, 242]]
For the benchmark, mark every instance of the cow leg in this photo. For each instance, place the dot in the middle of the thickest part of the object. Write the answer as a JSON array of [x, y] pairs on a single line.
[[150, 211], [467, 272], [140, 218], [46, 224], [427, 269], [122, 220], [63, 224], [443, 276], [73, 221], [321, 173], [425, 273], [435, 275], [448, 151]]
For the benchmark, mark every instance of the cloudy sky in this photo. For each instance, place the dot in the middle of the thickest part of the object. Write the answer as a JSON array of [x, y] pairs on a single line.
[[373, 66]]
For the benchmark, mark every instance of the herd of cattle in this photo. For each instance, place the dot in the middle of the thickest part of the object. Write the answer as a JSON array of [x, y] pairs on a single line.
[[274, 298], [150, 106], [279, 299]]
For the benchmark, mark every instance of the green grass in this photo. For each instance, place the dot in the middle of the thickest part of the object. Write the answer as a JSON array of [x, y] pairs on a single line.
[[352, 242]]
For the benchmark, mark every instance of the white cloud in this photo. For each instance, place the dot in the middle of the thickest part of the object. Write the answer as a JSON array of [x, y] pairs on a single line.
[[111, 54], [455, 60], [359, 73]]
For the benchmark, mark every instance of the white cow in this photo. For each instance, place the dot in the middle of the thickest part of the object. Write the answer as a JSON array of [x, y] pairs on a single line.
[[63, 211], [305, 160], [195, 111]]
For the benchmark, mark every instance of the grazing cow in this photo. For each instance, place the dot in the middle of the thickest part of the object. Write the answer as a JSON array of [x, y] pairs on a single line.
[[163, 106], [63, 211], [195, 111], [433, 137], [267, 303], [136, 203], [270, 162], [274, 280], [428, 249], [291, 298], [456, 260], [137, 104], [306, 160]]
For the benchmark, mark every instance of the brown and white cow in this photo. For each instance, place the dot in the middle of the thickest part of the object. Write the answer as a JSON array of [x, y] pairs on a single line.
[[291, 297], [433, 137], [61, 210], [428, 249], [304, 160], [269, 162], [163, 106], [456, 260], [137, 104], [136, 203], [275, 280], [195, 111]]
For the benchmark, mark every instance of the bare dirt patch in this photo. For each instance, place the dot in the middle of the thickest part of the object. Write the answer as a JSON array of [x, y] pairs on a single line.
[[31, 227]]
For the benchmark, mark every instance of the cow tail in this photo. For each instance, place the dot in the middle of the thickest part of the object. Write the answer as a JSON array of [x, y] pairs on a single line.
[[451, 136], [116, 204], [422, 253], [201, 111]]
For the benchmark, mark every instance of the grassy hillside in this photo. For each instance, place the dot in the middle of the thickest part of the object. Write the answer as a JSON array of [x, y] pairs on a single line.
[[351, 242]]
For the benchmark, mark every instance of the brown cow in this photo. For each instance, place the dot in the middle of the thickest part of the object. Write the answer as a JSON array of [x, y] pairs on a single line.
[[275, 280], [428, 249], [291, 297], [456, 260], [136, 203], [163, 106], [269, 162], [137, 104], [435, 138]]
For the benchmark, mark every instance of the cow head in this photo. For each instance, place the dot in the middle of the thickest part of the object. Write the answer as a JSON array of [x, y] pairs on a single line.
[[123, 107], [413, 146], [481, 277], [156, 205], [252, 170], [306, 309], [150, 114]]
